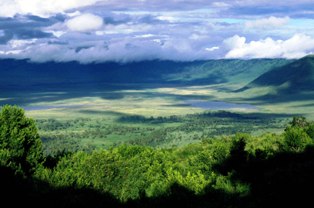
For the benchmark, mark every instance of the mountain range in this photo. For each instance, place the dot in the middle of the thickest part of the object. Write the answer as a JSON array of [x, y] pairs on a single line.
[[285, 76]]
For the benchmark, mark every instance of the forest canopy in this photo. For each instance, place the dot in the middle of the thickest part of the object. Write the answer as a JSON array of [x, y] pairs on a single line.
[[239, 171]]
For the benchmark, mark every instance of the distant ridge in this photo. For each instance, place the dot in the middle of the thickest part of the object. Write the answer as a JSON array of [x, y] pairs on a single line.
[[293, 78], [21, 74], [309, 56]]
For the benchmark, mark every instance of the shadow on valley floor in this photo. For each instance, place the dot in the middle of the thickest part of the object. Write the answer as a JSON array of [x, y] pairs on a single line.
[[284, 180], [280, 98], [223, 114], [24, 97]]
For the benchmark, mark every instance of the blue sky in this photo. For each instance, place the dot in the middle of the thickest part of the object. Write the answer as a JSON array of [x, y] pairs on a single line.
[[135, 30]]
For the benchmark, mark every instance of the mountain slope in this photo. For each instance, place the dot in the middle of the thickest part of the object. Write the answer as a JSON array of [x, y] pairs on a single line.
[[228, 70], [294, 77], [26, 81], [24, 73]]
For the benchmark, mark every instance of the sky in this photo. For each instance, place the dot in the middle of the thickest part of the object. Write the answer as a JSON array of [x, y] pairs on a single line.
[[136, 30]]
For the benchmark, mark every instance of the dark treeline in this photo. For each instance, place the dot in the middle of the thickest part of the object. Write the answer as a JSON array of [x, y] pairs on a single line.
[[271, 170]]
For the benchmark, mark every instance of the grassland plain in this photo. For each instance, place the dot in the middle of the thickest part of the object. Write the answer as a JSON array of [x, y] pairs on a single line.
[[160, 104], [158, 117]]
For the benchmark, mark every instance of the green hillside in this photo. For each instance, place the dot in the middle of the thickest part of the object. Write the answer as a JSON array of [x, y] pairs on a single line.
[[26, 83], [295, 77], [233, 71]]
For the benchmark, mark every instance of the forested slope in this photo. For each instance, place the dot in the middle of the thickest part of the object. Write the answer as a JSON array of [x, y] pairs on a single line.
[[236, 171], [295, 77]]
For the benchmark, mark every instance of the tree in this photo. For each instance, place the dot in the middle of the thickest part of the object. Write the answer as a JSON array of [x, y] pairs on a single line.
[[299, 121], [296, 139], [237, 151], [310, 130], [20, 144]]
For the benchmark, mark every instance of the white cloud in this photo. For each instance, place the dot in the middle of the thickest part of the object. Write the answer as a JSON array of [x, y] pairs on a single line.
[[220, 4], [11, 52], [144, 36], [21, 43], [234, 42], [16, 47], [269, 22], [85, 22], [9, 8], [46, 8], [74, 14], [167, 18], [57, 34], [296, 47], [127, 29], [212, 48]]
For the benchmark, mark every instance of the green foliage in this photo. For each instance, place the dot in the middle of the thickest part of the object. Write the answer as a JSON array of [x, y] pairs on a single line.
[[237, 152], [196, 181], [127, 171], [228, 164], [133, 172], [88, 134], [296, 139], [130, 172], [20, 144], [299, 121], [264, 146], [224, 183], [310, 130]]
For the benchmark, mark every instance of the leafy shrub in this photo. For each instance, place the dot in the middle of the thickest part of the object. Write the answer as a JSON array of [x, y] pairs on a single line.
[[310, 130], [20, 144], [296, 139]]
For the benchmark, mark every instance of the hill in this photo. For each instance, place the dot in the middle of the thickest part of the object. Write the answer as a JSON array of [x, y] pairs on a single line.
[[21, 77], [296, 77], [197, 72]]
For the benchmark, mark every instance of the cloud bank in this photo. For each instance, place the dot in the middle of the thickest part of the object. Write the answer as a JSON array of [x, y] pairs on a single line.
[[9, 8], [295, 47], [135, 30]]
